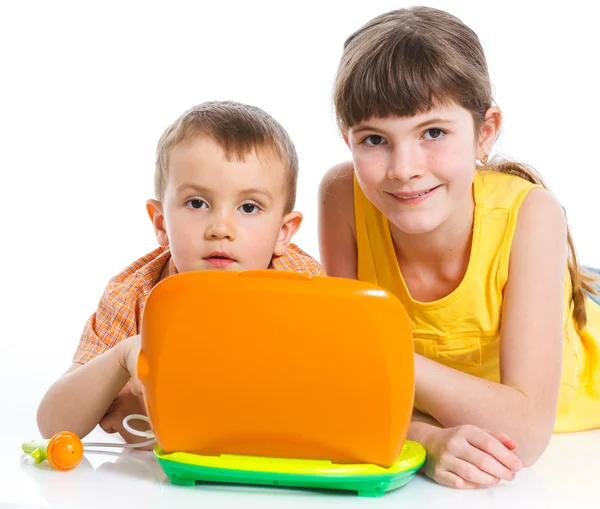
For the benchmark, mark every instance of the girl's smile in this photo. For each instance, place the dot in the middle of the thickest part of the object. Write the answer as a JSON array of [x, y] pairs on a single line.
[[414, 197]]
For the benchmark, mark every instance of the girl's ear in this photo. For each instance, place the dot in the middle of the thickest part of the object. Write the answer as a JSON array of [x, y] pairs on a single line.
[[155, 211], [489, 131], [289, 226], [344, 133]]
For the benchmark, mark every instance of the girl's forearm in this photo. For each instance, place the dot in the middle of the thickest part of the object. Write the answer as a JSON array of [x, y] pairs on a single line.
[[420, 431], [455, 398], [79, 399]]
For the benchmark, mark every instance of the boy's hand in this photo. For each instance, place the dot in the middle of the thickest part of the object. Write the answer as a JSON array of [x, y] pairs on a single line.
[[469, 457], [130, 399], [130, 350], [126, 403]]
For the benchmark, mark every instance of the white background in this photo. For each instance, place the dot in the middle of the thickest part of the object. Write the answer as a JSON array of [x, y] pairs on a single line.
[[87, 88]]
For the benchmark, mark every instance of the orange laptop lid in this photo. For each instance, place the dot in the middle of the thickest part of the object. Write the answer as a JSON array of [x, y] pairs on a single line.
[[277, 364]]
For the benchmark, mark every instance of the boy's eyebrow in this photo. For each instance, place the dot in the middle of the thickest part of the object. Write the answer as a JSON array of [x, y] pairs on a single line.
[[185, 186], [258, 190]]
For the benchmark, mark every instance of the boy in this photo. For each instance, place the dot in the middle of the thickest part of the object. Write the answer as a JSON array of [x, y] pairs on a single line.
[[225, 185]]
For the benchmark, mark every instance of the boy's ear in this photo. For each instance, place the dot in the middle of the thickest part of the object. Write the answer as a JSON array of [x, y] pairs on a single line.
[[489, 130], [289, 226], [155, 211]]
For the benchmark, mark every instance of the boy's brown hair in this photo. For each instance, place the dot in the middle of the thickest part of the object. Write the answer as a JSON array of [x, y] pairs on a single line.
[[239, 129]]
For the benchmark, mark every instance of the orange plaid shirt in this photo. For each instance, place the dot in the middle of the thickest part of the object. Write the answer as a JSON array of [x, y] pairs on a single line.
[[120, 311]]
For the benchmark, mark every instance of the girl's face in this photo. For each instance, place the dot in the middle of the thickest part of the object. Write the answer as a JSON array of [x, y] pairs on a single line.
[[418, 171]]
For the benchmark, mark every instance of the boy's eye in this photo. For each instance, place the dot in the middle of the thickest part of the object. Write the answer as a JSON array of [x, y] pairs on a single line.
[[374, 140], [433, 134], [249, 208], [196, 203]]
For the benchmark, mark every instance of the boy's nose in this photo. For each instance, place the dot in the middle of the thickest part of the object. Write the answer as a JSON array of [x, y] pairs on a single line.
[[220, 229]]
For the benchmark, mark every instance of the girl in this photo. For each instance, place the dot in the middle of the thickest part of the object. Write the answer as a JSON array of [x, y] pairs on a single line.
[[505, 334]]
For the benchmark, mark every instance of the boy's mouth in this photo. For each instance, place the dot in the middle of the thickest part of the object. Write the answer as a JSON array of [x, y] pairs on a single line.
[[219, 260]]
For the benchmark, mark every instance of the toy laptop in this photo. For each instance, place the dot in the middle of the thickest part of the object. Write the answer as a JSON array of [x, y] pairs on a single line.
[[278, 378]]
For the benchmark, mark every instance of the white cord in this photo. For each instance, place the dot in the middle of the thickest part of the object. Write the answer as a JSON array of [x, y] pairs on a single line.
[[140, 417], [136, 432]]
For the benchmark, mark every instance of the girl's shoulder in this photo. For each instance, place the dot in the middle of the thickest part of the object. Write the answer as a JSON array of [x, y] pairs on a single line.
[[337, 226], [338, 180], [336, 191], [540, 207]]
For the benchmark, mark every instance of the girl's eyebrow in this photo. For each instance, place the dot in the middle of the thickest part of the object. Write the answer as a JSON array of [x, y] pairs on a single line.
[[420, 125], [364, 127], [436, 120]]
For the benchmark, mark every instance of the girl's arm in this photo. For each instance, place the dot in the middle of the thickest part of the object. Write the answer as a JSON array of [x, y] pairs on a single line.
[[461, 457], [79, 400], [523, 404]]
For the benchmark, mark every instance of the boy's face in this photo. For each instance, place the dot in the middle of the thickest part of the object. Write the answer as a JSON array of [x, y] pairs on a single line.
[[222, 215]]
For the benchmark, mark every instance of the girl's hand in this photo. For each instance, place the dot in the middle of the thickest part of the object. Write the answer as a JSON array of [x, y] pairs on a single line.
[[469, 457]]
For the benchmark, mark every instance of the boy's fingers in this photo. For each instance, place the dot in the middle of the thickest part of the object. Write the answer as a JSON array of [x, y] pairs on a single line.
[[136, 387], [112, 406], [107, 423], [496, 456]]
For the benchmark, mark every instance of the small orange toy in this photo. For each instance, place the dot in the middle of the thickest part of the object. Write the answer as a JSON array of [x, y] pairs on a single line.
[[63, 451]]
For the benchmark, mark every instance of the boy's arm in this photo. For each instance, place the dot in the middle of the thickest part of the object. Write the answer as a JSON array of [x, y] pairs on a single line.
[[79, 399], [105, 358]]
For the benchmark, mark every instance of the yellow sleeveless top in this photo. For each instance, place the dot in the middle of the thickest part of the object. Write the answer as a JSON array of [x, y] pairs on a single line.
[[462, 330]]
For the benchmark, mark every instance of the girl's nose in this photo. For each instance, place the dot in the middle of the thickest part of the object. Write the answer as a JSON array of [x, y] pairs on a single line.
[[404, 165]]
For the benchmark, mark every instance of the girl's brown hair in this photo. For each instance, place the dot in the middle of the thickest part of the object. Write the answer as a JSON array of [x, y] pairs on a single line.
[[406, 62]]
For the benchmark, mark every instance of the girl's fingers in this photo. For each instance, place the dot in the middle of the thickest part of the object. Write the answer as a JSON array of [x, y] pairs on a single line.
[[451, 480], [503, 438], [472, 473], [491, 456]]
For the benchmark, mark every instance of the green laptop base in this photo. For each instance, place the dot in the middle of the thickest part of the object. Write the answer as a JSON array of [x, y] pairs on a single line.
[[367, 480]]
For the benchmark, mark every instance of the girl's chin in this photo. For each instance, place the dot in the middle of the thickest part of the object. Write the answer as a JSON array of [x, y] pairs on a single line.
[[415, 225]]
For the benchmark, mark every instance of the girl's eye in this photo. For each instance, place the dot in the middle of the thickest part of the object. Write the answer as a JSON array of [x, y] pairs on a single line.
[[249, 208], [433, 134], [373, 140], [196, 203]]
